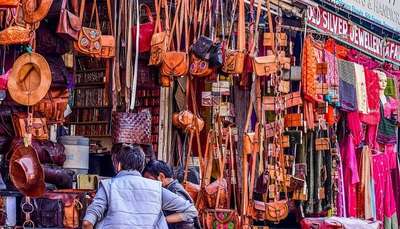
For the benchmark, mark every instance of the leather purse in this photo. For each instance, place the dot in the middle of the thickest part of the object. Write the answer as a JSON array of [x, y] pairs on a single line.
[[202, 47], [272, 103], [274, 127], [39, 129], [9, 3], [48, 213], [284, 86], [293, 99], [134, 128], [276, 211], [322, 144], [293, 120], [265, 65], [34, 13], [186, 120], [107, 42], [146, 31], [220, 218], [88, 42], [199, 67], [69, 24], [59, 177], [269, 39], [160, 40], [15, 34], [53, 105], [216, 55]]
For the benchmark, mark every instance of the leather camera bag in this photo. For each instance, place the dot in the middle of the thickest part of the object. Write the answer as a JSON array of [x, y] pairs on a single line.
[[50, 152], [39, 126], [202, 47], [159, 40], [48, 212], [69, 24], [134, 128], [234, 60], [89, 39], [176, 63], [146, 31], [221, 218]]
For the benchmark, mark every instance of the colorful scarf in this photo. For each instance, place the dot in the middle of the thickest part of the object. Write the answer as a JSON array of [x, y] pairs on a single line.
[[347, 90]]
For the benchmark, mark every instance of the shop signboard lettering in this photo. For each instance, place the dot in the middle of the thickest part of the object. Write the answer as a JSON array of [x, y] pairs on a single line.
[[382, 12], [353, 34]]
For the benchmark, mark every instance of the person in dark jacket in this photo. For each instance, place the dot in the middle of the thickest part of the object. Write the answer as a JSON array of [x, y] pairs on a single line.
[[159, 170], [130, 201]]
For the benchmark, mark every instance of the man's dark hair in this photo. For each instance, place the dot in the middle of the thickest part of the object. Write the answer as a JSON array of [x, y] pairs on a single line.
[[130, 157], [155, 167]]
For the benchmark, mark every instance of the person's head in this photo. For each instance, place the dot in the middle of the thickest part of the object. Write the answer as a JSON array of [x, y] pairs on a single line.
[[158, 170], [129, 158], [382, 80]]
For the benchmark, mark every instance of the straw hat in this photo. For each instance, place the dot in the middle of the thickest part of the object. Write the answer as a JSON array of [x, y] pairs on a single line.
[[30, 79], [26, 172]]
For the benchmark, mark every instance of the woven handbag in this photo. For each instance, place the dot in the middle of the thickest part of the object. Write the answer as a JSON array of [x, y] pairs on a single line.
[[131, 128]]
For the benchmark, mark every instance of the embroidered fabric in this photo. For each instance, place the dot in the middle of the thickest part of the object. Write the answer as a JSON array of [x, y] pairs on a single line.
[[361, 90], [347, 91]]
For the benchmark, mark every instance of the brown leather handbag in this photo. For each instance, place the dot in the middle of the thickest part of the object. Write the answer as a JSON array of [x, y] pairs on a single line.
[[186, 120], [294, 120], [107, 42], [322, 144], [38, 127], [293, 99], [69, 24], [53, 105], [34, 13], [89, 39], [199, 67], [176, 63], [250, 139], [9, 3], [234, 60], [159, 40]]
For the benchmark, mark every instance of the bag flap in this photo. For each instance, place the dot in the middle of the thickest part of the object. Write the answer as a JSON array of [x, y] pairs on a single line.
[[265, 59], [107, 41], [214, 186], [259, 205], [73, 20], [174, 59], [91, 34], [158, 38]]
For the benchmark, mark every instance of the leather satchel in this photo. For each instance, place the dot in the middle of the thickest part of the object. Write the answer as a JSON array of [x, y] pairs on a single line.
[[146, 31], [221, 218], [276, 211], [293, 120], [48, 213], [107, 42], [265, 65], [15, 34], [202, 47], [199, 67], [322, 144], [69, 24], [88, 42], [269, 39], [186, 120], [293, 99], [233, 61], [174, 64], [133, 128], [211, 192], [159, 45], [39, 129], [53, 105]]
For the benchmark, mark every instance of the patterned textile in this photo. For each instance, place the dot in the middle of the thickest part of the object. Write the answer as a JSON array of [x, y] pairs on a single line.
[[339, 50], [372, 85], [347, 82], [361, 90], [388, 124], [309, 70], [390, 89], [332, 76], [359, 58], [365, 184]]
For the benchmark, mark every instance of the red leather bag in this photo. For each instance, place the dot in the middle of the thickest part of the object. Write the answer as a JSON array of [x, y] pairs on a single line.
[[146, 31]]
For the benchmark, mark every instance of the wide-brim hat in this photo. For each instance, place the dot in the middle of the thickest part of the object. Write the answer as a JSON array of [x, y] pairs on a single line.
[[26, 172], [30, 79]]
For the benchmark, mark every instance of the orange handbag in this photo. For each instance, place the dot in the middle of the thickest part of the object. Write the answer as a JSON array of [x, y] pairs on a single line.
[[160, 39], [199, 67], [89, 39], [107, 42], [15, 33], [38, 126]]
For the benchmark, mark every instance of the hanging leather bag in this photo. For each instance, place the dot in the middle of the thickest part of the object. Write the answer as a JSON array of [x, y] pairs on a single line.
[[176, 63], [69, 24], [39, 129], [16, 33], [53, 105], [48, 212], [146, 31], [159, 40], [134, 128], [234, 59], [107, 42], [88, 42]]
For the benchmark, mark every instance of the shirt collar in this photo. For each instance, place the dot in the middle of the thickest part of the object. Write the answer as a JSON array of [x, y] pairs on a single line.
[[128, 172], [173, 182]]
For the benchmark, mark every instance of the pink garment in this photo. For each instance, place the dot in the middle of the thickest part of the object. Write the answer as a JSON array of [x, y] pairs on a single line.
[[382, 164], [390, 107], [354, 125], [359, 58], [372, 85], [332, 76], [351, 177]]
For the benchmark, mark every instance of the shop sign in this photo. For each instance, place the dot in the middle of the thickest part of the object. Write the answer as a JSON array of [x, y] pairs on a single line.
[[382, 12], [346, 31], [392, 51], [352, 34]]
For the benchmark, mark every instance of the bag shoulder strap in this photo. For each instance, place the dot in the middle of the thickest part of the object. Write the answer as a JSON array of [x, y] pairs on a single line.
[[109, 15], [241, 27]]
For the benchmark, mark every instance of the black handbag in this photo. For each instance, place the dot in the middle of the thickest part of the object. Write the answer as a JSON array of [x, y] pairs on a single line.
[[216, 55], [48, 213], [201, 48]]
